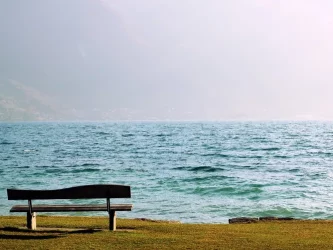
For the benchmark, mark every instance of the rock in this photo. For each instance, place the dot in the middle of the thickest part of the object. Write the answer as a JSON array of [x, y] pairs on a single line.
[[270, 218], [243, 220], [286, 218], [254, 220]]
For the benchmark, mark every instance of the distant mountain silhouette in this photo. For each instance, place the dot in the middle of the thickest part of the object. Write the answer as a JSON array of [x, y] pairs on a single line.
[[20, 102], [76, 51]]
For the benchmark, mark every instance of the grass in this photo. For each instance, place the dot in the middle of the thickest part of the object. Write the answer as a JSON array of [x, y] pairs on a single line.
[[91, 233]]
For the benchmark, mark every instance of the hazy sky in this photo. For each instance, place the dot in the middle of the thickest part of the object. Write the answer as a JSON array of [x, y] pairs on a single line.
[[255, 59], [176, 59]]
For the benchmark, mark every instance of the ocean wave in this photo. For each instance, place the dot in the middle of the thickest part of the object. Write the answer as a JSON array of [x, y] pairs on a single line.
[[327, 154], [213, 191], [259, 138], [132, 170], [265, 149], [294, 170], [89, 164], [85, 170], [127, 144], [23, 167], [163, 135], [219, 155], [248, 191], [6, 143], [60, 170], [281, 156], [102, 133], [80, 165], [249, 156], [227, 191], [206, 179], [128, 135], [200, 169]]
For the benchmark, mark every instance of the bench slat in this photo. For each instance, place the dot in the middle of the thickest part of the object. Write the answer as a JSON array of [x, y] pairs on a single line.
[[71, 208]]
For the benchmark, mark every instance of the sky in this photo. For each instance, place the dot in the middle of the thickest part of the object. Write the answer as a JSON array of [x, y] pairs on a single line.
[[259, 59], [176, 59]]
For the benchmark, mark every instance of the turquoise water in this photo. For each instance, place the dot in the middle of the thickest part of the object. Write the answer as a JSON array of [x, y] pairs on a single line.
[[192, 172]]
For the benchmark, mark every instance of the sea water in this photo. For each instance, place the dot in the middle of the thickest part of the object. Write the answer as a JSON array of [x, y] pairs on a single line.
[[201, 172]]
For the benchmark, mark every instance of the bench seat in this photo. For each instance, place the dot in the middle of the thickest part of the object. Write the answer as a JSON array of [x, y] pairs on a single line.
[[71, 208]]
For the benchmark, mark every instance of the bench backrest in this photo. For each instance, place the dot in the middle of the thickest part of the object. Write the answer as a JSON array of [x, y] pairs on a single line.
[[79, 192]]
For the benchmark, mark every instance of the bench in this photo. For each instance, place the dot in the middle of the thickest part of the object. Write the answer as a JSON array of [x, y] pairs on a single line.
[[79, 192]]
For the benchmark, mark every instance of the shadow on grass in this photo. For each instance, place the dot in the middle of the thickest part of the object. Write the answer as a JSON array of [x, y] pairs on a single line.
[[28, 237], [126, 228], [26, 234]]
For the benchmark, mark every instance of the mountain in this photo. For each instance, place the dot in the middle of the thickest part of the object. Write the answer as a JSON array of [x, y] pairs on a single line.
[[76, 53], [21, 102]]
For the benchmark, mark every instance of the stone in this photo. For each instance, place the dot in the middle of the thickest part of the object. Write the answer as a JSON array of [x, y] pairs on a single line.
[[270, 218], [244, 220]]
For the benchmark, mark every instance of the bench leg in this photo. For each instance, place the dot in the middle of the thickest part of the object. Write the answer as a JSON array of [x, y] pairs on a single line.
[[112, 220], [31, 221]]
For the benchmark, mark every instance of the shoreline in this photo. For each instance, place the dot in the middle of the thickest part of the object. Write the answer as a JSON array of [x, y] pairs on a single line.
[[235, 220]]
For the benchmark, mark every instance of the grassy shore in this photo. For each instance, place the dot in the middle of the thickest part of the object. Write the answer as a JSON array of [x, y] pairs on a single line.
[[91, 233]]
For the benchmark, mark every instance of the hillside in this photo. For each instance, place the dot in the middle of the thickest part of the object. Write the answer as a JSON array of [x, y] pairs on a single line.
[[77, 53], [19, 102]]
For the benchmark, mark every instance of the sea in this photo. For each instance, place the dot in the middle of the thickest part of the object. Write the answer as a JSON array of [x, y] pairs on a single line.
[[193, 172]]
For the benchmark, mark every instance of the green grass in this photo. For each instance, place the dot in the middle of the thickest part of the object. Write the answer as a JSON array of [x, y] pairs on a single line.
[[92, 233]]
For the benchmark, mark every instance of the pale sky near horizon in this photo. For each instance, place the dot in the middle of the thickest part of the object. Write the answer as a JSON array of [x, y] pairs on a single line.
[[262, 59]]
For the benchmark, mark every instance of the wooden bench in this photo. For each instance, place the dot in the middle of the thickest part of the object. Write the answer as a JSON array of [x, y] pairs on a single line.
[[79, 192]]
